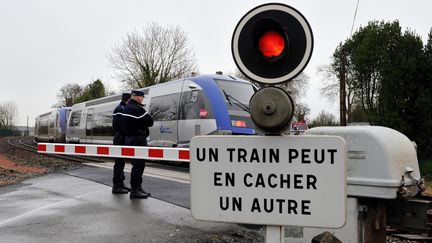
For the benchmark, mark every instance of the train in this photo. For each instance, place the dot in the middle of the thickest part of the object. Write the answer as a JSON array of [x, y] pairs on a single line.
[[181, 109], [51, 126]]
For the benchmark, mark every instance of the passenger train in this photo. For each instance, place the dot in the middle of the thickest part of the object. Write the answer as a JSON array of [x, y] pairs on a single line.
[[181, 109], [51, 126]]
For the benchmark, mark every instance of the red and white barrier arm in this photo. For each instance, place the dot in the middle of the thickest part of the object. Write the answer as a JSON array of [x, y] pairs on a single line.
[[115, 151]]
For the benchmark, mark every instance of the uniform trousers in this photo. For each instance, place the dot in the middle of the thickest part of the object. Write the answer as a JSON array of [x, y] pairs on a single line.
[[119, 163], [138, 165]]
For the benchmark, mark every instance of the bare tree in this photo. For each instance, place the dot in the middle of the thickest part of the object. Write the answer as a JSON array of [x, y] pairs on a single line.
[[68, 94], [8, 115], [324, 119], [332, 85], [109, 90], [295, 88], [301, 111], [154, 55]]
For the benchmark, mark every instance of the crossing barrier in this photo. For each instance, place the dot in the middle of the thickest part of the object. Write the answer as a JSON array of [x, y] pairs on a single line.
[[116, 151]]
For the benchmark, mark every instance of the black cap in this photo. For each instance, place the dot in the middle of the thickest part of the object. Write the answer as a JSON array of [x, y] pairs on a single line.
[[126, 96], [137, 93]]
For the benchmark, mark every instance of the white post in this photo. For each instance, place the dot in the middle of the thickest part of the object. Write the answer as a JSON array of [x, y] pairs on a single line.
[[274, 234]]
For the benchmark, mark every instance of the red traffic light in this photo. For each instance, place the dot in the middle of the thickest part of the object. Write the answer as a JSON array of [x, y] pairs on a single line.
[[271, 44]]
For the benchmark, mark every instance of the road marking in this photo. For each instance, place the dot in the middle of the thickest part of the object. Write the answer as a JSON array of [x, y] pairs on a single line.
[[21, 216]]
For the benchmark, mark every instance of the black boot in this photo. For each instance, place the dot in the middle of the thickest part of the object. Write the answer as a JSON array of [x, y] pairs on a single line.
[[142, 190], [137, 193], [125, 187], [119, 190]]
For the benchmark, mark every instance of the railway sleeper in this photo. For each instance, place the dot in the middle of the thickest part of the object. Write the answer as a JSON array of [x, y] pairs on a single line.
[[410, 215], [413, 237]]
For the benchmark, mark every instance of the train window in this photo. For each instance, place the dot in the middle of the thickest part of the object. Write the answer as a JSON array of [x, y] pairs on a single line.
[[75, 119], [43, 126], [164, 108], [102, 124], [51, 123], [194, 96], [195, 105]]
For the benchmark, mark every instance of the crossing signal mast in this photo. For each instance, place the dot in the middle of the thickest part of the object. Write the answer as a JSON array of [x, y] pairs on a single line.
[[272, 44]]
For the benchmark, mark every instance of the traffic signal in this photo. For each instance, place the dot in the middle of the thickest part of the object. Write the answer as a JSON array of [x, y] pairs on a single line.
[[272, 43]]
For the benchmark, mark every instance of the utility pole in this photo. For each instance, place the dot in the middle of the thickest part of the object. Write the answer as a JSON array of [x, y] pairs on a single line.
[[342, 93], [27, 133]]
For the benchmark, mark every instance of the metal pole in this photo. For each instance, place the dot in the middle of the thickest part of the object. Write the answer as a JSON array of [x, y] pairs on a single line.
[[274, 234], [27, 128], [342, 89]]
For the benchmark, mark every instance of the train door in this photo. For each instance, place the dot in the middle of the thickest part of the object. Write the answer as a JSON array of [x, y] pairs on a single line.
[[163, 107], [164, 112], [65, 120], [75, 130], [57, 124], [196, 116], [52, 125], [89, 125], [36, 129]]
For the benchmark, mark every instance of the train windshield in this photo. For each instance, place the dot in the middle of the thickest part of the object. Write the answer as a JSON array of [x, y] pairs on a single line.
[[237, 95]]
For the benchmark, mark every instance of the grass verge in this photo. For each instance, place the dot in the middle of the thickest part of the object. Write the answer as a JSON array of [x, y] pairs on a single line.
[[426, 173]]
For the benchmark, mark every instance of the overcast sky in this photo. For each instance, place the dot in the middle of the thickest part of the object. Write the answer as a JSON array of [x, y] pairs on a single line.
[[45, 44]]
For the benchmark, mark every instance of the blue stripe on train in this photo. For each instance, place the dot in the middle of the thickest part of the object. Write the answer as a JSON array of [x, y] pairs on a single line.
[[63, 118], [243, 130], [217, 101]]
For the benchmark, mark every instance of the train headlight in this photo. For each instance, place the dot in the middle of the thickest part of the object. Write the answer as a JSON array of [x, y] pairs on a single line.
[[238, 123]]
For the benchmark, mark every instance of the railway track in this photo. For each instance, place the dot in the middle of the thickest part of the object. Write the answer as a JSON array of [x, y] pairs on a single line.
[[411, 219], [19, 144], [28, 144]]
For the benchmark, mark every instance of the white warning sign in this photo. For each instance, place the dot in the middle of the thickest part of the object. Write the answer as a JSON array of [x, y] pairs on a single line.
[[271, 180]]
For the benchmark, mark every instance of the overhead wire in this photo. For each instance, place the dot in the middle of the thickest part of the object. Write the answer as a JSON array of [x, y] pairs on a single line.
[[355, 15]]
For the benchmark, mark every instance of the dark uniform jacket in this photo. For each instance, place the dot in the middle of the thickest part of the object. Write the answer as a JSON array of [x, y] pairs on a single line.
[[117, 118], [136, 120]]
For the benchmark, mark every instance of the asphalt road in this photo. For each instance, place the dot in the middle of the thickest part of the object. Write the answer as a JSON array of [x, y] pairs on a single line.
[[166, 190], [78, 206]]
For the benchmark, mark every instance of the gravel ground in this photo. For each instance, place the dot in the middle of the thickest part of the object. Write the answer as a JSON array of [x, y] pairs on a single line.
[[8, 176], [17, 165], [391, 239]]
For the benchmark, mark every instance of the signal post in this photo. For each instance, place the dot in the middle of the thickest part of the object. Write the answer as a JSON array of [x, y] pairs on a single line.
[[271, 180]]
